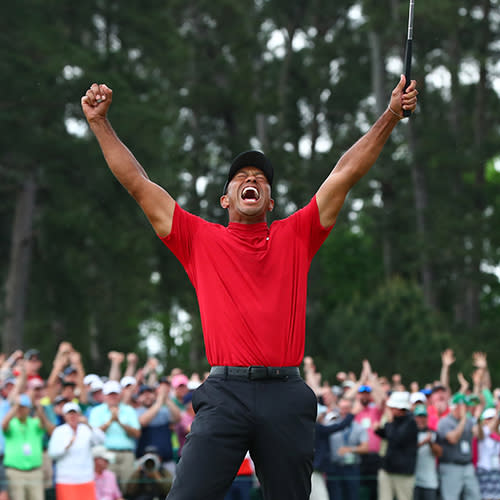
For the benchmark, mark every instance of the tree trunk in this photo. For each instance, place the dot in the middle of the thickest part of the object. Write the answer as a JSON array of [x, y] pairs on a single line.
[[378, 72], [421, 198], [19, 266]]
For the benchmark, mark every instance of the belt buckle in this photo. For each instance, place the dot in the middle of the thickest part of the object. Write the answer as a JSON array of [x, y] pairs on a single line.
[[257, 372]]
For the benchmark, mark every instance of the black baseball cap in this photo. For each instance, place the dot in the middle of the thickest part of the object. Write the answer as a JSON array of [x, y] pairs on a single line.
[[250, 158]]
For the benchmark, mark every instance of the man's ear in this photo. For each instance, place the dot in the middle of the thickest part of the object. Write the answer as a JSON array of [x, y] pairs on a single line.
[[224, 201], [271, 204]]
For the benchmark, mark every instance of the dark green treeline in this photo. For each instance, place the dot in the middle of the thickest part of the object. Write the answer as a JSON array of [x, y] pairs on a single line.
[[409, 268]]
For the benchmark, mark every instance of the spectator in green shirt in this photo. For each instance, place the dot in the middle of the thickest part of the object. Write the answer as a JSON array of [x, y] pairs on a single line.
[[24, 449]]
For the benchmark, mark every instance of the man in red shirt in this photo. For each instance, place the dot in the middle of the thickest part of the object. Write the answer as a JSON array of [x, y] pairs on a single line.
[[251, 284]]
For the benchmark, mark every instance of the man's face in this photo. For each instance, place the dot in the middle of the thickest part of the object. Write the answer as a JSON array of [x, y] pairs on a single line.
[[23, 412], [98, 396], [440, 400], [365, 398], [248, 195], [344, 407], [112, 399], [421, 421], [33, 364], [181, 391], [147, 398]]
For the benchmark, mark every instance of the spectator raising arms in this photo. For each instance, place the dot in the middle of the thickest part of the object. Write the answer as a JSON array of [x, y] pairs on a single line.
[[24, 449]]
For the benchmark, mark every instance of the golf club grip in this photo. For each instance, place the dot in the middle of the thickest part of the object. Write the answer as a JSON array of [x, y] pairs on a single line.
[[408, 57]]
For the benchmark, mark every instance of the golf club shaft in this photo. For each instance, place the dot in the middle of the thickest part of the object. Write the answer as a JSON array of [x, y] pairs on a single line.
[[408, 51]]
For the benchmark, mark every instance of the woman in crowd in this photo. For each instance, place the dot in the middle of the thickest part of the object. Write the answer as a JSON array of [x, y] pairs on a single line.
[[70, 446], [488, 450]]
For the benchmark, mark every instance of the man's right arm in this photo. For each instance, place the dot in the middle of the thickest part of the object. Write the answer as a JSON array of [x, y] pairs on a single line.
[[155, 202]]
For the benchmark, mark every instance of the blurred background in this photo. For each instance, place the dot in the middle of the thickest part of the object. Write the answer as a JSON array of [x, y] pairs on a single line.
[[412, 266]]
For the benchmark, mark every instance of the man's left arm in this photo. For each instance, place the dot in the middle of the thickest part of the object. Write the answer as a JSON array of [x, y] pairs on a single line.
[[356, 162]]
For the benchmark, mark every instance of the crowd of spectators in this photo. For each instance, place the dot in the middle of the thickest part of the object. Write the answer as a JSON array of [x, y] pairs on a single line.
[[384, 439], [78, 435]]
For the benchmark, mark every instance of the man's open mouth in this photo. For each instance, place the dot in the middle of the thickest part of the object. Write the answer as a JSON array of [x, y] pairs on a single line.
[[250, 193]]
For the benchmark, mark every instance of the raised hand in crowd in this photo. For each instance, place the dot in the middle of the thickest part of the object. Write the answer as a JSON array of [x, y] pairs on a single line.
[[447, 359], [464, 384], [311, 376], [131, 369], [116, 358], [151, 371]]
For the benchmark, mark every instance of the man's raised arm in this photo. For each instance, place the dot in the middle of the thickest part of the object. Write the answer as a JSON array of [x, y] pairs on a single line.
[[362, 155], [156, 203]]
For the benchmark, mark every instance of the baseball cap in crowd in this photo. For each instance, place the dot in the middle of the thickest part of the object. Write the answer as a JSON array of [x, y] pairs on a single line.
[[101, 451], [32, 353], [128, 380], [71, 406], [488, 413], [420, 411], [112, 387], [178, 380], [145, 388], [193, 384], [91, 377], [251, 158], [337, 390], [399, 400], [418, 397], [24, 400], [9, 380], [35, 383], [438, 387], [364, 388], [96, 385], [347, 384], [458, 398], [69, 370], [472, 400], [59, 399]]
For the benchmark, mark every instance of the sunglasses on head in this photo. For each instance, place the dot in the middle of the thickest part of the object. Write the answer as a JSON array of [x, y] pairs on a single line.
[[365, 388]]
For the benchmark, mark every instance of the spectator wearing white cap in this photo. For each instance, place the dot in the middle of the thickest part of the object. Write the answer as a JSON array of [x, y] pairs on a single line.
[[122, 429], [70, 446], [488, 463], [396, 477], [417, 398], [95, 395], [106, 484], [129, 389], [24, 449]]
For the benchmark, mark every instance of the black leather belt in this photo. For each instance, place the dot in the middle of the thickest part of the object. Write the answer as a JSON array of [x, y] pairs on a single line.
[[255, 372]]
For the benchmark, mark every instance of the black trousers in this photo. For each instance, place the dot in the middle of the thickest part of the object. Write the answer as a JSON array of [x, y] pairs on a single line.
[[273, 419]]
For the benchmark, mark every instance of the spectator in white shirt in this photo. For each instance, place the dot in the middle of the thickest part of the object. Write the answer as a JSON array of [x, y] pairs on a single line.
[[70, 446]]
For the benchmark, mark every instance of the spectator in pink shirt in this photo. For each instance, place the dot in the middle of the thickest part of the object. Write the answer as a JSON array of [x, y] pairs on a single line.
[[369, 417], [106, 484]]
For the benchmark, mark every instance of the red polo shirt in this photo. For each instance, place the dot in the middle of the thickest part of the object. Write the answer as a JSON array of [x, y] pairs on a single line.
[[251, 284]]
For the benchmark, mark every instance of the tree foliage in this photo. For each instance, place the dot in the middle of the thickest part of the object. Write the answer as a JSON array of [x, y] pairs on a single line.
[[407, 270]]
